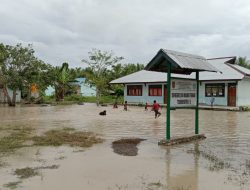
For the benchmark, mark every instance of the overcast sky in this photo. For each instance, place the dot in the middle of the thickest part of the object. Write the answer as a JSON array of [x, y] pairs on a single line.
[[66, 30]]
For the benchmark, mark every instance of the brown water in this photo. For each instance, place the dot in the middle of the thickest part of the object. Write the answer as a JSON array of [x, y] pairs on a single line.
[[222, 161]]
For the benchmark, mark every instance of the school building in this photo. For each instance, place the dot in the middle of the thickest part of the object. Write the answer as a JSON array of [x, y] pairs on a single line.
[[230, 86]]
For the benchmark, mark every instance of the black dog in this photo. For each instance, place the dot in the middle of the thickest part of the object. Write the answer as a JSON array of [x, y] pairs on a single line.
[[102, 112]]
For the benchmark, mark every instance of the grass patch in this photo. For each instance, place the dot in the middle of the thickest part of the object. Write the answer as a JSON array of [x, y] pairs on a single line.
[[66, 137], [17, 137], [244, 108], [27, 172], [155, 185], [68, 129], [73, 99], [48, 167], [2, 164], [216, 164], [12, 185]]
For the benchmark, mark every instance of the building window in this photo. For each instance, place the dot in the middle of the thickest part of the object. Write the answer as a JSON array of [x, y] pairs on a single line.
[[215, 90], [134, 90], [155, 90]]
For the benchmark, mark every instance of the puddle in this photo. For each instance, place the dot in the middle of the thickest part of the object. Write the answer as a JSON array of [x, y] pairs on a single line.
[[126, 147]]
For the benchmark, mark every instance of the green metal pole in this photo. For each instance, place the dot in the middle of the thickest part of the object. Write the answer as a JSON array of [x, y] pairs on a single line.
[[197, 104], [168, 102]]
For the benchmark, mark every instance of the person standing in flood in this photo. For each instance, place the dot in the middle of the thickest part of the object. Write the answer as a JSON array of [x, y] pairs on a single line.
[[125, 106], [146, 106], [156, 108]]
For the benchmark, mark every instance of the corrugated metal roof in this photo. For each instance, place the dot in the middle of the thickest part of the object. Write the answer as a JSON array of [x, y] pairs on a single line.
[[181, 61], [229, 72], [147, 77], [241, 69], [190, 61]]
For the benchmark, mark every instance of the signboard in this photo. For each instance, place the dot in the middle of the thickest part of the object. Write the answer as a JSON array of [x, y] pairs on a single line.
[[183, 93]]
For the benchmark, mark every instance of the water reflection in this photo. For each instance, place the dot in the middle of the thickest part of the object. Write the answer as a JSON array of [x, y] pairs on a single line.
[[186, 178]]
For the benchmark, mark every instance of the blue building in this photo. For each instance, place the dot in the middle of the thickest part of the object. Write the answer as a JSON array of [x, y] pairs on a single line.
[[83, 88]]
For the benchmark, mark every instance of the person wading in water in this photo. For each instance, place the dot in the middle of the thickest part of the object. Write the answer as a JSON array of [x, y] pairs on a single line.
[[156, 108]]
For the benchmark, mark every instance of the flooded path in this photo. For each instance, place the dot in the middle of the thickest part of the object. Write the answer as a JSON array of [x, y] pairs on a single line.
[[222, 161]]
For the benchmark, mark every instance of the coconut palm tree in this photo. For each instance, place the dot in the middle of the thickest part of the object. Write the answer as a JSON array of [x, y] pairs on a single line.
[[242, 61], [62, 78]]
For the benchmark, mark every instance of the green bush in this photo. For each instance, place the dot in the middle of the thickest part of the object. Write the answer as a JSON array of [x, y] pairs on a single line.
[[48, 99], [74, 98]]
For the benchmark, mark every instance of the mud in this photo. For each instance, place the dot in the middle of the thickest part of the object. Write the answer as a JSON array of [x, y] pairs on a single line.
[[126, 147]]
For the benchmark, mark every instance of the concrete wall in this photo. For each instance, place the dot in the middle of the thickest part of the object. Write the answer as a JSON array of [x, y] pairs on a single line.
[[242, 91], [3, 98], [243, 95], [175, 101], [144, 98], [222, 101]]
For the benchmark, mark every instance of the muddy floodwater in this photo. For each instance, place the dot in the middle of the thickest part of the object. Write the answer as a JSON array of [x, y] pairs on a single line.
[[222, 161]]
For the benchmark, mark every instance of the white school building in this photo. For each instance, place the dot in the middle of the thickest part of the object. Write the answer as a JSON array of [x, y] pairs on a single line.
[[228, 87]]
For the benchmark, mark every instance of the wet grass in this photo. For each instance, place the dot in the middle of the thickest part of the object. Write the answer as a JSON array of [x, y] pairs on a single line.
[[67, 136], [237, 174], [216, 164], [12, 185], [155, 186], [3, 164], [27, 172], [48, 167], [16, 138]]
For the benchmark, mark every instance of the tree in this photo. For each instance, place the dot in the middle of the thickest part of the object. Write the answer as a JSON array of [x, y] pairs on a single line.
[[242, 61], [16, 64], [99, 64], [120, 70], [36, 73], [61, 77]]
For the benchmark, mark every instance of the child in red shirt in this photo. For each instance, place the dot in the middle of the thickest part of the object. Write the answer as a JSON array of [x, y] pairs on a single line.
[[156, 108]]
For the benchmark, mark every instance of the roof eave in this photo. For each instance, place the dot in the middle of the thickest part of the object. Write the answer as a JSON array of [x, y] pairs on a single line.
[[158, 61]]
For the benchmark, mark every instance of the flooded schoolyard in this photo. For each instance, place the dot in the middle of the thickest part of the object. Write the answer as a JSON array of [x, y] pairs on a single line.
[[222, 161]]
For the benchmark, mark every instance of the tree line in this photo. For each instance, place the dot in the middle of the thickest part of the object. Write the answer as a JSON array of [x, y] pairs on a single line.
[[20, 69]]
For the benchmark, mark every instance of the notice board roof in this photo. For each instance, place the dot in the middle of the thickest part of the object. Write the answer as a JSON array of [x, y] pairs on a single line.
[[182, 63]]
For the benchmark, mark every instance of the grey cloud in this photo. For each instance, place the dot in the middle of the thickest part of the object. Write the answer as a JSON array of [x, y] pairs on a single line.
[[65, 30]]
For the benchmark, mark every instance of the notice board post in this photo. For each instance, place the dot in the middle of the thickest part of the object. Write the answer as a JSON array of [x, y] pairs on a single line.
[[168, 102], [197, 104]]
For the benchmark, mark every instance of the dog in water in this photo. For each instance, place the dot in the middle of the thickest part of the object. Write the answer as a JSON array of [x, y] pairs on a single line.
[[103, 113]]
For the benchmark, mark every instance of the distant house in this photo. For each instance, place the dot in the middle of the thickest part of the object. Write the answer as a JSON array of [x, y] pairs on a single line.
[[3, 96], [230, 87], [83, 88]]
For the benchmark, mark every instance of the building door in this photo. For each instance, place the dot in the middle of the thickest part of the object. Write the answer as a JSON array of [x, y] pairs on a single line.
[[231, 95], [165, 94]]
